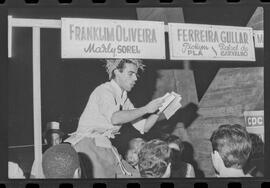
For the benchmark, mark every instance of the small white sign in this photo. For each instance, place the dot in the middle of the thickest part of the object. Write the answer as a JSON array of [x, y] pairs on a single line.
[[255, 122], [258, 38], [254, 118], [104, 38], [210, 42]]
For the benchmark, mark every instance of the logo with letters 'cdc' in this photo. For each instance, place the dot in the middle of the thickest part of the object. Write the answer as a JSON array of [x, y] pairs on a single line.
[[254, 118]]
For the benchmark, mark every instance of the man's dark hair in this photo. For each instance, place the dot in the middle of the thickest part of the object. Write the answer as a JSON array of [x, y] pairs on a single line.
[[60, 161], [113, 64], [154, 158], [233, 144], [169, 138]]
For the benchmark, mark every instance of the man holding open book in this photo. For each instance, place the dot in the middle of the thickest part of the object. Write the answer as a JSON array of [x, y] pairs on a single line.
[[109, 108]]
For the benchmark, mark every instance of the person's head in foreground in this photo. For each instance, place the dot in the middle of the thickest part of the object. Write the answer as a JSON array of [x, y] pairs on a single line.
[[179, 168], [174, 142], [231, 149], [155, 160], [61, 161], [124, 71], [135, 146]]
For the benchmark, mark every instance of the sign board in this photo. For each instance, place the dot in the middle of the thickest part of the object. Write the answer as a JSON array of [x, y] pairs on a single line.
[[255, 122], [210, 42], [258, 38], [106, 38]]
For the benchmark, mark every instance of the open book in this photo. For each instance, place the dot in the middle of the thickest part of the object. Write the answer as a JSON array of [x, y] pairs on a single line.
[[171, 104]]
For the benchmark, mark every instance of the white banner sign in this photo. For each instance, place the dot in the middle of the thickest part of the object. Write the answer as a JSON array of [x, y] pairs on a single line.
[[210, 42], [102, 38], [258, 38]]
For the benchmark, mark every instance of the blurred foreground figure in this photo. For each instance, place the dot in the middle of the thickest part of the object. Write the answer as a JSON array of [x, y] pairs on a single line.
[[179, 168], [231, 149], [14, 171], [155, 160], [61, 161], [135, 146], [52, 136]]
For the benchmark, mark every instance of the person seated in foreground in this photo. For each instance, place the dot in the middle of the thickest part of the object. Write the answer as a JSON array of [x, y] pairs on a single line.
[[52, 136], [231, 149], [61, 161], [14, 171], [135, 146], [255, 164], [180, 169], [155, 160]]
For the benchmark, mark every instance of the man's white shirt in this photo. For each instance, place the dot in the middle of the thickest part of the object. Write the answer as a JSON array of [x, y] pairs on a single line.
[[103, 102]]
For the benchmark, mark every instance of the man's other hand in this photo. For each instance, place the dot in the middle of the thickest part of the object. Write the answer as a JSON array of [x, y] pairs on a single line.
[[154, 105]]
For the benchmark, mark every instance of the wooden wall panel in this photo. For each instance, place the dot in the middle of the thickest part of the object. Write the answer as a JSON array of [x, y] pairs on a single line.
[[234, 86], [256, 21], [161, 14], [179, 81]]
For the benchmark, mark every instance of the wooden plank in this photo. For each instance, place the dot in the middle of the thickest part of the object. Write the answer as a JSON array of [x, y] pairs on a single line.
[[9, 36], [216, 111], [42, 23], [26, 22], [204, 127], [256, 20], [37, 95], [185, 85]]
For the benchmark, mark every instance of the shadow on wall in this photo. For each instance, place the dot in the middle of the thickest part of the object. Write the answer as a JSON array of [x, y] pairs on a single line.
[[186, 115], [188, 157]]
